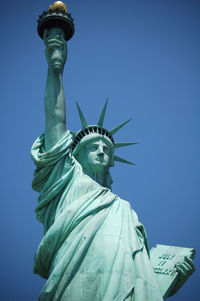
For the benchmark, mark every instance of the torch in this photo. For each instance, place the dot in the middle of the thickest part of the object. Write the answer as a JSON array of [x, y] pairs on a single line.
[[56, 20]]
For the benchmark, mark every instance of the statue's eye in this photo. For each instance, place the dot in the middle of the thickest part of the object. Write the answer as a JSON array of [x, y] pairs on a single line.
[[92, 148], [106, 149]]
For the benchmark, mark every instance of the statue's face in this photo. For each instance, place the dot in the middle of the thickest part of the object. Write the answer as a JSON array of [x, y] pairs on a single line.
[[97, 155]]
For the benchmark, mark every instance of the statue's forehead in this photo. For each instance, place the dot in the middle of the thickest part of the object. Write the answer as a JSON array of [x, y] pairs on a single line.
[[98, 140]]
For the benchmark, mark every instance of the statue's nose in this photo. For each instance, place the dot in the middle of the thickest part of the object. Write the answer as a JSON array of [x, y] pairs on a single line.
[[100, 154], [100, 151]]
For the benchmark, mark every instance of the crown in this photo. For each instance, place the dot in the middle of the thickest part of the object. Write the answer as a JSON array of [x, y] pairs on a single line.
[[90, 132]]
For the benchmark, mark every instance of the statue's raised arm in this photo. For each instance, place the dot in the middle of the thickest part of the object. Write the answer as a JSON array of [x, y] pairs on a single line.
[[55, 111]]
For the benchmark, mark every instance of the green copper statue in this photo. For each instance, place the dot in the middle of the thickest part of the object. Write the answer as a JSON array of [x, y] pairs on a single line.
[[94, 248]]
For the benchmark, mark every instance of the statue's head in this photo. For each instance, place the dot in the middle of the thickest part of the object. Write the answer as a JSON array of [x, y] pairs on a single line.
[[95, 154], [94, 137], [94, 147]]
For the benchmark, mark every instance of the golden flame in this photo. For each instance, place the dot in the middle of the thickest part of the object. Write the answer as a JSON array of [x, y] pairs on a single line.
[[59, 5]]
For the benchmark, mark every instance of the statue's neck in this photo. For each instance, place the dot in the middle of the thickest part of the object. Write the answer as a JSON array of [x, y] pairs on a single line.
[[99, 178]]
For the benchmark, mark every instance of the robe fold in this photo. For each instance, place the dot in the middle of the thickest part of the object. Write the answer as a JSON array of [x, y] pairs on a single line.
[[94, 248]]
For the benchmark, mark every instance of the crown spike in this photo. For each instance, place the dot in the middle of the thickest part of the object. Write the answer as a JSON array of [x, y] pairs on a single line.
[[82, 118], [116, 158], [122, 144], [101, 118], [117, 128]]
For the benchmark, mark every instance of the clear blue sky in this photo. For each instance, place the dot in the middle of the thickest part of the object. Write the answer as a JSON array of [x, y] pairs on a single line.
[[145, 57]]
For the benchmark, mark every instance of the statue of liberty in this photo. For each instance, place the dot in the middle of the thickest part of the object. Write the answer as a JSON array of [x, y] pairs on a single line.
[[94, 247]]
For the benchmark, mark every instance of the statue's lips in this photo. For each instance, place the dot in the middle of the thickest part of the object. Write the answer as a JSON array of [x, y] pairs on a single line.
[[100, 160]]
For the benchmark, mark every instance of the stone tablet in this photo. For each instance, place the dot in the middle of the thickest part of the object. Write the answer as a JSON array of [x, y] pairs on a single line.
[[163, 260]]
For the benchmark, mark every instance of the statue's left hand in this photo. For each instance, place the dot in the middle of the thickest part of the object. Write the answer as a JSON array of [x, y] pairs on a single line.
[[185, 270]]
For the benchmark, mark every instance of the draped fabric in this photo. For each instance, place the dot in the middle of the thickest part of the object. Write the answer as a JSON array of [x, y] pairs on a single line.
[[94, 248]]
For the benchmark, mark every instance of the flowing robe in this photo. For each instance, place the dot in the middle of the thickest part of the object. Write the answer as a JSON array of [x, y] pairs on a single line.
[[94, 248]]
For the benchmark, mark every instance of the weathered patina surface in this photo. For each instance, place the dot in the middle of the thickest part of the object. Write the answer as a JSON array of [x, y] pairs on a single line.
[[94, 247]]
